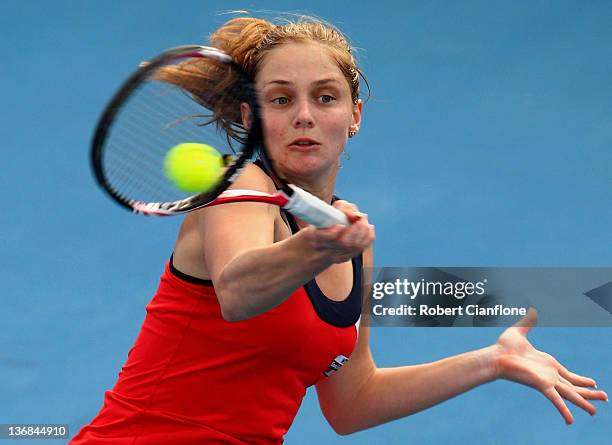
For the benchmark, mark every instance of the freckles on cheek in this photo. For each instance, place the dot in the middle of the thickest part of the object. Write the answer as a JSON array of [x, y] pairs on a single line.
[[272, 131], [276, 137], [273, 140]]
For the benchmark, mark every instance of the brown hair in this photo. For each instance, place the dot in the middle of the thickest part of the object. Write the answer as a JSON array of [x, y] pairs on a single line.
[[246, 40]]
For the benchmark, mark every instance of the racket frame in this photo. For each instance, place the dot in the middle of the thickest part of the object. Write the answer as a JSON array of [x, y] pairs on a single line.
[[112, 109]]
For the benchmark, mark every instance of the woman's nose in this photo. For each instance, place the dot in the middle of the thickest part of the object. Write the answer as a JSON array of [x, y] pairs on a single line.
[[304, 117]]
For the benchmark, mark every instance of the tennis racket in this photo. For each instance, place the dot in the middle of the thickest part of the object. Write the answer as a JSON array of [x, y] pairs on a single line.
[[189, 94]]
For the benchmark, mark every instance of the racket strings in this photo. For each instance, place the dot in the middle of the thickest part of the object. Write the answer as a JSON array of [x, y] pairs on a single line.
[[142, 120], [171, 116], [129, 174], [137, 169], [215, 86]]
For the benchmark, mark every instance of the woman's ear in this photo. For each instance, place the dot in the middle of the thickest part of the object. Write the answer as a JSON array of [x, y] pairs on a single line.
[[355, 118], [245, 114], [357, 110]]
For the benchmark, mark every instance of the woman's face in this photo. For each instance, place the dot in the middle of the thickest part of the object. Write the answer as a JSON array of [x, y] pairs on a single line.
[[307, 109]]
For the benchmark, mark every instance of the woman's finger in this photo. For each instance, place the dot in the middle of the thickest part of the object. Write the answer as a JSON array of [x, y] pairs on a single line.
[[328, 233], [353, 234], [351, 211], [552, 395], [568, 392], [345, 206], [576, 379], [525, 324], [588, 394]]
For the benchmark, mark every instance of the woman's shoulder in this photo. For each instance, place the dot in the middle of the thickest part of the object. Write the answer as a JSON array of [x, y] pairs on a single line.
[[253, 177]]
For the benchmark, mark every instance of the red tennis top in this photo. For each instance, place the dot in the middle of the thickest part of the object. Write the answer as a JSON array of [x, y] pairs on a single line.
[[194, 378]]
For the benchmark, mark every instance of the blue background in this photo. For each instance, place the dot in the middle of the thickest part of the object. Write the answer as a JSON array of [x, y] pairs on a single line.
[[487, 142]]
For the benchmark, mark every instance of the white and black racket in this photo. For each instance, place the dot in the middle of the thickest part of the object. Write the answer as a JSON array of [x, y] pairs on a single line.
[[189, 94]]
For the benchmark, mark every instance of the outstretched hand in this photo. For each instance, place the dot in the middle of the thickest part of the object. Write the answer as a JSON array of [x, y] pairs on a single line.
[[519, 361]]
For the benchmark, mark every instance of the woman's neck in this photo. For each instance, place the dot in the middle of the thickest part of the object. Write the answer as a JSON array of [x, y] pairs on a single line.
[[322, 185]]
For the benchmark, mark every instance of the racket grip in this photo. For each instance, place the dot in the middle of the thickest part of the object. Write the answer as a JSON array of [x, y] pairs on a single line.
[[313, 210]]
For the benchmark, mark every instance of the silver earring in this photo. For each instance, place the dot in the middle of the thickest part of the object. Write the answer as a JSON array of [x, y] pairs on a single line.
[[352, 133]]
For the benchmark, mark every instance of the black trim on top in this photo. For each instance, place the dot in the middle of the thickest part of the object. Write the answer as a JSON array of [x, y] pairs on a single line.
[[185, 277], [338, 313]]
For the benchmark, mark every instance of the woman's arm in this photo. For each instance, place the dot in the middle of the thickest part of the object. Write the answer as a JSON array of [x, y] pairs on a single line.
[[251, 273], [384, 394], [392, 393], [361, 396]]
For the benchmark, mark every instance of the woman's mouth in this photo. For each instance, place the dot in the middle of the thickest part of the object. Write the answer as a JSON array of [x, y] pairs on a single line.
[[303, 144]]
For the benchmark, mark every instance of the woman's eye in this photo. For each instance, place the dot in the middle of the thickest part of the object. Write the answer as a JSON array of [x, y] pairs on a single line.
[[326, 98], [280, 101]]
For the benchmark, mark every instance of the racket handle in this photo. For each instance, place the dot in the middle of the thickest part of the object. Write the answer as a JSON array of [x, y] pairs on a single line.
[[313, 210]]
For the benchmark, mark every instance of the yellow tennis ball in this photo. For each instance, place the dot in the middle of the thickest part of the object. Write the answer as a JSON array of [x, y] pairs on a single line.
[[193, 167]]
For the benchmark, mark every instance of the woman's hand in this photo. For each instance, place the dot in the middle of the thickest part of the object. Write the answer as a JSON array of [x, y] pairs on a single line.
[[519, 361], [341, 243]]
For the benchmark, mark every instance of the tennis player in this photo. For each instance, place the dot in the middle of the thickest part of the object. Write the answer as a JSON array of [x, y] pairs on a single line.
[[254, 306]]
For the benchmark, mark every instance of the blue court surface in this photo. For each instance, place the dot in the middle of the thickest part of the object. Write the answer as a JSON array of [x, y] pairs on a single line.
[[487, 141]]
